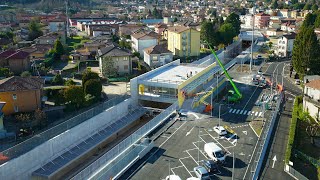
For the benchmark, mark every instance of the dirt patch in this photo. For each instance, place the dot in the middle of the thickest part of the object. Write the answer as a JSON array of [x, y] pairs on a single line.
[[257, 126]]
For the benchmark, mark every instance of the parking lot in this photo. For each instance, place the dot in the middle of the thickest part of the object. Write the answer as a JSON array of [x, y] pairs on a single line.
[[181, 147]]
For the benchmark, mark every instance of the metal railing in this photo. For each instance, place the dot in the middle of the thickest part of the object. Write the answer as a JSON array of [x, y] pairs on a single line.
[[38, 139], [294, 173], [125, 144], [264, 138]]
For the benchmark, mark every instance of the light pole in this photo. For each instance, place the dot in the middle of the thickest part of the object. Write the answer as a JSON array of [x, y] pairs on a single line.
[[232, 165], [219, 114], [252, 38]]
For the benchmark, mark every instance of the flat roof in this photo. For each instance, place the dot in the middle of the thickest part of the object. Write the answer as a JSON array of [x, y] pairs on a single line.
[[173, 74]]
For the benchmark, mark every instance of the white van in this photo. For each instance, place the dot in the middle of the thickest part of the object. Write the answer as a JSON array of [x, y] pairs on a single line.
[[214, 152]]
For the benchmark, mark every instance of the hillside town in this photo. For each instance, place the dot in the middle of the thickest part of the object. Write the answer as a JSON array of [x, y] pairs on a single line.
[[100, 89]]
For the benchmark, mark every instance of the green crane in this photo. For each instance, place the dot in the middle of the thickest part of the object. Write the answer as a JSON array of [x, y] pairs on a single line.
[[233, 96]]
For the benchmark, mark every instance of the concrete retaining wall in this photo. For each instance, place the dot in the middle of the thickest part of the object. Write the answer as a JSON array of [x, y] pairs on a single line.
[[23, 166]]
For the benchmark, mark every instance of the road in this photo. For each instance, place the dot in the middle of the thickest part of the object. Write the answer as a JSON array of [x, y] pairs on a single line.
[[273, 167]]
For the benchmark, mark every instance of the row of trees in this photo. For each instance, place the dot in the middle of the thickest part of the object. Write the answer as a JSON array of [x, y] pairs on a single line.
[[295, 4], [306, 49], [217, 32]]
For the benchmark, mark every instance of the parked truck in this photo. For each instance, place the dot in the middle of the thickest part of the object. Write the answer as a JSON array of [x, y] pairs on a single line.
[[214, 152]]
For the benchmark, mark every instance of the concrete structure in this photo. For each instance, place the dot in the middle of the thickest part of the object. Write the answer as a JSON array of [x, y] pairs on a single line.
[[157, 55], [311, 98], [274, 32], [262, 20], [143, 40], [114, 61], [23, 166], [21, 94], [285, 45], [247, 35], [183, 41]]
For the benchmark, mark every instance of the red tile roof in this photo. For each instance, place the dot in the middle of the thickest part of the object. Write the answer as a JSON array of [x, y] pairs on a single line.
[[314, 84], [7, 53], [18, 55]]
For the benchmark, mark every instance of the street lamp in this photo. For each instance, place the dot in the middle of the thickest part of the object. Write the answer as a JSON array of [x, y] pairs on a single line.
[[219, 114]]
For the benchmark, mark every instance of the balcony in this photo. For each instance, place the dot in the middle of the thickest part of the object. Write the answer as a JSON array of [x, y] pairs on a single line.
[[316, 102]]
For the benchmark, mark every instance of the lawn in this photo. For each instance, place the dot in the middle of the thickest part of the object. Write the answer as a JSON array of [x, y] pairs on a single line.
[[75, 41]]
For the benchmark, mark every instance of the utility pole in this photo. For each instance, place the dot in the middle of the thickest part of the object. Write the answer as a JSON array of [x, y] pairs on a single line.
[[252, 38]]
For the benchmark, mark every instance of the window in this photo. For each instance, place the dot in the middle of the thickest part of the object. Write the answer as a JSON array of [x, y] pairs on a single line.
[[16, 109], [125, 67], [14, 96]]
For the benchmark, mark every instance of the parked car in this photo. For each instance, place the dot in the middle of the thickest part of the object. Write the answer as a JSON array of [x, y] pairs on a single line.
[[173, 177], [220, 130], [183, 113], [201, 172], [210, 165], [297, 82]]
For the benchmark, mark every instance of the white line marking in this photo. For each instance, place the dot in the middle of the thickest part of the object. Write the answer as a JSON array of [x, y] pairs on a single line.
[[249, 113], [245, 112], [234, 142], [241, 111], [185, 157], [250, 98], [185, 167], [234, 111], [194, 114], [260, 113], [193, 158], [230, 110], [231, 137], [256, 114], [190, 149], [176, 167], [219, 143], [238, 111]]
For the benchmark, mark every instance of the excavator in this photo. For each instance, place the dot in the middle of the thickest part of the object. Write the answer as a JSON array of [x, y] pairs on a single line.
[[233, 95]]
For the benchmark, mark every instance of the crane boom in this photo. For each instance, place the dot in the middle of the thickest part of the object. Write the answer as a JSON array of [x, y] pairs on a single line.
[[225, 72]]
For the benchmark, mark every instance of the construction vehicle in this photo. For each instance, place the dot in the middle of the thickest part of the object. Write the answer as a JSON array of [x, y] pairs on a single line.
[[233, 95]]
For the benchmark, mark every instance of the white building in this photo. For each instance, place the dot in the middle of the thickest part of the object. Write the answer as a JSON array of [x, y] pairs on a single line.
[[285, 45], [57, 25], [311, 99], [157, 55], [143, 40]]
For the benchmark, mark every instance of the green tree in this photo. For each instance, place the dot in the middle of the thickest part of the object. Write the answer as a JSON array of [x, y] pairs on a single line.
[[317, 22], [234, 19], [175, 19], [207, 33], [227, 33], [275, 4], [34, 30], [307, 7], [314, 7], [309, 20], [25, 74], [93, 87], [70, 82], [87, 75], [74, 96], [5, 72], [58, 47], [57, 80], [306, 52]]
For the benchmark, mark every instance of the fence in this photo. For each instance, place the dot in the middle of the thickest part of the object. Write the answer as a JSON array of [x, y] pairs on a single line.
[[264, 138], [125, 144], [312, 160], [38, 139], [291, 171]]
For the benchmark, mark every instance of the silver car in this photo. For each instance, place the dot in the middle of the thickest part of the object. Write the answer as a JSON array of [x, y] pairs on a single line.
[[201, 172]]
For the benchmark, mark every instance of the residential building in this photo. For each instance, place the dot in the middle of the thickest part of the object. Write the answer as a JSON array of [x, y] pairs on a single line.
[[21, 94], [157, 55], [17, 61], [284, 13], [142, 40], [128, 29], [50, 38], [24, 23], [285, 45], [37, 51], [262, 20], [311, 98], [271, 32], [114, 61], [7, 17], [183, 41], [57, 25], [97, 30], [276, 23], [159, 28]]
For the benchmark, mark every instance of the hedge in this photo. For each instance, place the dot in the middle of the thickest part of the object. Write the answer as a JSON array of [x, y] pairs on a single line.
[[293, 125]]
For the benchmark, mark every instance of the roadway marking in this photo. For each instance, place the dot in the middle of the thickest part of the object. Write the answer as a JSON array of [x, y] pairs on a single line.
[[256, 113], [239, 126], [219, 143], [238, 111], [197, 162], [260, 113], [185, 167], [241, 111], [250, 98], [189, 131], [230, 110], [249, 112], [245, 112], [234, 111], [194, 114]]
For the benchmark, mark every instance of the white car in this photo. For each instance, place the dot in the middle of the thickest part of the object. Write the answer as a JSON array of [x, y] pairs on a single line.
[[220, 130], [297, 82], [173, 177]]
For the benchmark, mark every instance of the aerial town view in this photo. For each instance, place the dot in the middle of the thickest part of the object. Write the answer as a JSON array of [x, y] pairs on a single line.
[[159, 89]]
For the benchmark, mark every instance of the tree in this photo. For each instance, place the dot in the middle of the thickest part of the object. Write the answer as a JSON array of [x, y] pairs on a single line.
[[58, 48], [74, 96], [175, 19], [309, 20], [207, 33], [314, 7], [87, 75], [317, 22], [57, 80], [307, 7], [234, 19], [93, 87], [227, 33], [40, 117], [5, 72], [25, 74], [34, 30], [70, 82], [306, 52], [274, 4]]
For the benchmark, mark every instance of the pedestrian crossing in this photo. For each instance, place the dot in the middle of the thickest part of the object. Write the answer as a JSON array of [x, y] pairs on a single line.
[[245, 112]]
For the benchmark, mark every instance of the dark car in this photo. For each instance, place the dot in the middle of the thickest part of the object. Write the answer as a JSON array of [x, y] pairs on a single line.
[[210, 165]]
